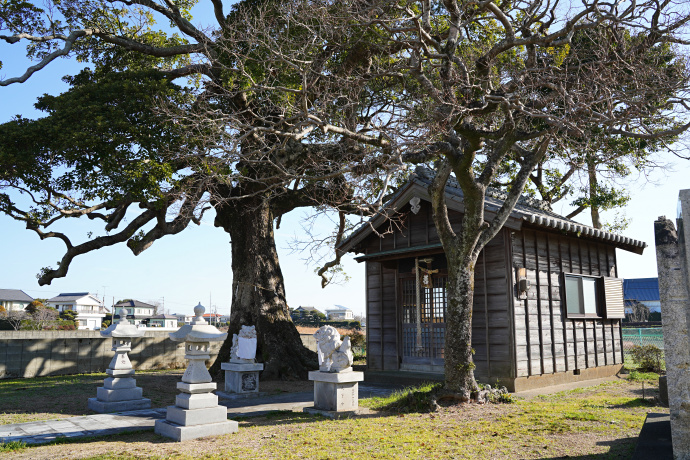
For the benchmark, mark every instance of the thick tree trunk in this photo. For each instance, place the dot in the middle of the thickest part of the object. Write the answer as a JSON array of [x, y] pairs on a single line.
[[459, 368], [458, 365], [258, 292]]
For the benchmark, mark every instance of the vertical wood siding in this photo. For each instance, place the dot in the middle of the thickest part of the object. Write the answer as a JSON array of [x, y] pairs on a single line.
[[491, 326], [546, 341]]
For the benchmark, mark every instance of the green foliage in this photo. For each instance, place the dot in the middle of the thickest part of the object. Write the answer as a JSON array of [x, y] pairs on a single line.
[[102, 136], [637, 376], [649, 358], [12, 446], [357, 339], [34, 306], [29, 325], [300, 321], [69, 315]]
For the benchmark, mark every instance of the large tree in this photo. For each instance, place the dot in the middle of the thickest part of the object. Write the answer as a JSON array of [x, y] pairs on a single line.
[[299, 100], [499, 82], [271, 117]]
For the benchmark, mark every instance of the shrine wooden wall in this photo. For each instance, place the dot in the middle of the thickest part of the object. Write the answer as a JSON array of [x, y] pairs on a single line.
[[491, 326], [546, 341]]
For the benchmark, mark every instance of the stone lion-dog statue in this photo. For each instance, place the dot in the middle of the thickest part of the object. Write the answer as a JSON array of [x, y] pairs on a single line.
[[334, 355]]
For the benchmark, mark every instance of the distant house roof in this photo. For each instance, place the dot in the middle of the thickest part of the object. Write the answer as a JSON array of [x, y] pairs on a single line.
[[15, 295], [338, 308], [134, 303], [527, 210], [641, 289], [67, 296], [307, 309], [164, 317]]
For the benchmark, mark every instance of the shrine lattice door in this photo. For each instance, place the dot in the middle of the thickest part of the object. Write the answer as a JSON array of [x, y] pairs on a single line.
[[423, 329]]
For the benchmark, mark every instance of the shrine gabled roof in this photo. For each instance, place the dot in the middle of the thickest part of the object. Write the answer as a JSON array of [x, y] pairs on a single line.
[[528, 210]]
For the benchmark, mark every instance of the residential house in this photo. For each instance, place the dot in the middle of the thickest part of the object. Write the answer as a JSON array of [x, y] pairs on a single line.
[[301, 312], [14, 299], [163, 321], [137, 312], [182, 318], [340, 313], [643, 290], [214, 318], [90, 311], [548, 302]]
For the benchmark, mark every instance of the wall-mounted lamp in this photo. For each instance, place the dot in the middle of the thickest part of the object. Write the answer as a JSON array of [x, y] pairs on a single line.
[[522, 283]]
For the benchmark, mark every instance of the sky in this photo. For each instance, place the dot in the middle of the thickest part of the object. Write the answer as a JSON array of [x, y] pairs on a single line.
[[194, 266]]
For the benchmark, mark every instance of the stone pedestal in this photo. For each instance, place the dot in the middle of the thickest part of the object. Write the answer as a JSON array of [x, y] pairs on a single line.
[[196, 412], [336, 391], [120, 392], [242, 378]]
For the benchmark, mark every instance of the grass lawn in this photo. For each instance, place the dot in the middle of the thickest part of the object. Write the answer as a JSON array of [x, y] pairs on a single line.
[[595, 422]]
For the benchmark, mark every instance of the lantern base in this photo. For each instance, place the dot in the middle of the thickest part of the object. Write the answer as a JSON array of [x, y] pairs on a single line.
[[108, 407], [181, 433]]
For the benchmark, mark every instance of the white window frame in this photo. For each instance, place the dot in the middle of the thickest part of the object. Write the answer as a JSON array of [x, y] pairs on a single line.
[[591, 304]]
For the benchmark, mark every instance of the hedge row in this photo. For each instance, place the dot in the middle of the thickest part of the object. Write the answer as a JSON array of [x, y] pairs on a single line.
[[318, 323]]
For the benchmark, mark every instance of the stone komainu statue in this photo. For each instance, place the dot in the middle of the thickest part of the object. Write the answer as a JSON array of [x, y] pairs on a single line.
[[334, 355]]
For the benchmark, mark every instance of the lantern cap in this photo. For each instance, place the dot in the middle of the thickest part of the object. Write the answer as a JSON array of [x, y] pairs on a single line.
[[199, 330], [123, 328]]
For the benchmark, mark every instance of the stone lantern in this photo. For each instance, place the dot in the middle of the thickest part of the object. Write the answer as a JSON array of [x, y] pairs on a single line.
[[196, 412], [120, 391]]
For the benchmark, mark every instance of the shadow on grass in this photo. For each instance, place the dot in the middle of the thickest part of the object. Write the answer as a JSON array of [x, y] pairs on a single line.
[[286, 417], [649, 401], [618, 449], [68, 394]]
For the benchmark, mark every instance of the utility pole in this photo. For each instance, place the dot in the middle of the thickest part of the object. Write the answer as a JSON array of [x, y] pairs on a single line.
[[99, 308]]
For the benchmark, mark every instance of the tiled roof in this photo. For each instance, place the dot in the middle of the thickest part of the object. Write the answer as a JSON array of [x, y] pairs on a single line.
[[533, 211], [67, 296], [641, 289], [528, 210], [15, 295], [134, 303]]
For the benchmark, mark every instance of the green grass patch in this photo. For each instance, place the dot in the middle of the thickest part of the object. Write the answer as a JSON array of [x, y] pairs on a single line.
[[636, 376], [12, 446], [410, 399]]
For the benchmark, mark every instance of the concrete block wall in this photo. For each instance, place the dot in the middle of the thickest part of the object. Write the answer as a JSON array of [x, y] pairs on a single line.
[[309, 341], [25, 354]]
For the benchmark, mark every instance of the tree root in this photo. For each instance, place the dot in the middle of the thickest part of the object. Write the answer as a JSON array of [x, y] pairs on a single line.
[[480, 396]]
